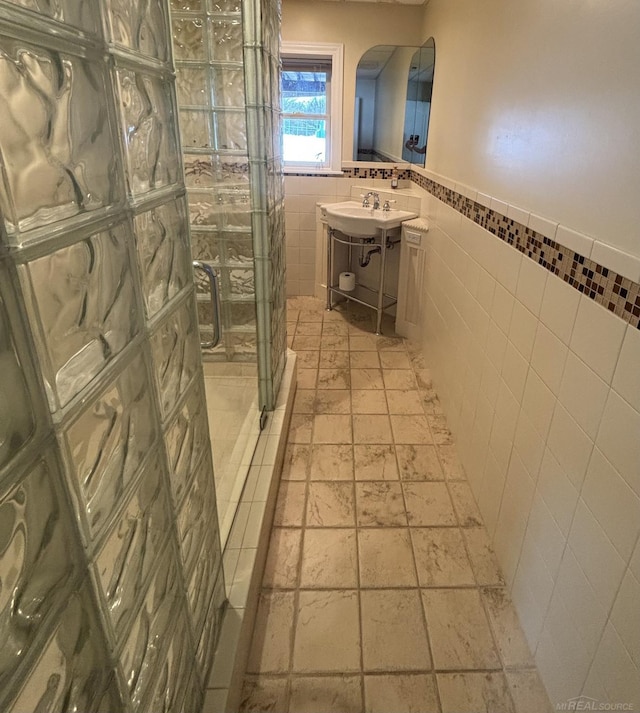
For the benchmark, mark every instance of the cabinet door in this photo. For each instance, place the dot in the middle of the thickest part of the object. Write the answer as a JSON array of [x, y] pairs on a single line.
[[412, 260]]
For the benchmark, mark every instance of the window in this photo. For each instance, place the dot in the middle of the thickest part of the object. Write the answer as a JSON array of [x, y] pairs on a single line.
[[311, 85]]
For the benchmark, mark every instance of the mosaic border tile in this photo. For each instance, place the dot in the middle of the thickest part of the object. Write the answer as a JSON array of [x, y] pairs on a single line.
[[616, 293]]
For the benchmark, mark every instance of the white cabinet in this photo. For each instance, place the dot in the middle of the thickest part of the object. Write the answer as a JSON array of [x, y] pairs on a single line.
[[410, 278]]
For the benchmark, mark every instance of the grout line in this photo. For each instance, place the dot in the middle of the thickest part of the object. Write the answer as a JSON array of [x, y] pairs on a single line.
[[290, 674]]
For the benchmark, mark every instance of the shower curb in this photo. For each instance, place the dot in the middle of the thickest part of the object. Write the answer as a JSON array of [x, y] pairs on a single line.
[[224, 688]]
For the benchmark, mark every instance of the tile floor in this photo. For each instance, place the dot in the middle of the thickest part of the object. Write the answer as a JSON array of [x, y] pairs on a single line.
[[381, 592]]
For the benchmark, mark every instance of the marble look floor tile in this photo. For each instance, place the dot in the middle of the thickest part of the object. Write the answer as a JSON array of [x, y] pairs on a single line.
[[510, 639], [465, 505], [309, 315], [335, 342], [404, 402], [474, 693], [329, 462], [401, 693], [394, 360], [308, 328], [324, 694], [296, 462], [375, 463], [283, 558], [303, 342], [371, 429], [430, 402], [263, 693], [338, 314], [300, 428], [459, 630], [335, 328], [304, 401], [329, 559], [270, 650], [380, 504], [419, 463], [368, 401], [428, 504], [366, 379], [333, 401], [333, 378], [386, 558], [307, 378], [528, 693], [390, 344], [411, 430], [441, 558], [308, 359], [483, 558], [332, 359], [328, 632], [330, 504], [393, 632], [450, 462], [364, 360], [440, 430], [332, 429], [290, 504], [362, 342], [399, 379]]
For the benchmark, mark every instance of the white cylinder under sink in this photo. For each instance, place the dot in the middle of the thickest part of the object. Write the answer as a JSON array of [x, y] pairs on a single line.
[[347, 281]]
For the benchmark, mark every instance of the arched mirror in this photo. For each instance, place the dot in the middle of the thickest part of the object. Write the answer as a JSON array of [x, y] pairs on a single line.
[[393, 102]]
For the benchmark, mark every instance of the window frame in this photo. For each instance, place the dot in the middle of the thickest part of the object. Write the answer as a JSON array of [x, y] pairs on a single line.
[[334, 53]]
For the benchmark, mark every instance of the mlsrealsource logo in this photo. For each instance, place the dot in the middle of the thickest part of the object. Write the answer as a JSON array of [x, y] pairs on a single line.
[[584, 703]]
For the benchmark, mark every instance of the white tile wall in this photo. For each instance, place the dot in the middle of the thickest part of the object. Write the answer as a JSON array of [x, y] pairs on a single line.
[[597, 338], [624, 616], [302, 193], [613, 504], [583, 394], [559, 308], [555, 466], [569, 444], [626, 379], [532, 375]]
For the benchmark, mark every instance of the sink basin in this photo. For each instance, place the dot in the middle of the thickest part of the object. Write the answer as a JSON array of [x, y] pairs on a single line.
[[352, 219]]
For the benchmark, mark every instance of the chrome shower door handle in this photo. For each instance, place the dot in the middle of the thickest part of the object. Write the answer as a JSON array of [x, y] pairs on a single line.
[[215, 303]]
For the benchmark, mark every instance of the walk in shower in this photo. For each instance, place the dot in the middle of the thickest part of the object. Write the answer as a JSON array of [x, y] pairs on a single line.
[[208, 51], [110, 547]]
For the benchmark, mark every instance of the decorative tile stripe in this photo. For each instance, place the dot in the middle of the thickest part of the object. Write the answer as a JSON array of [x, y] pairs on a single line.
[[358, 172], [616, 293], [375, 173]]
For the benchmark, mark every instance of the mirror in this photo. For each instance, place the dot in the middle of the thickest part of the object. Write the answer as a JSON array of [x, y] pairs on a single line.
[[392, 103]]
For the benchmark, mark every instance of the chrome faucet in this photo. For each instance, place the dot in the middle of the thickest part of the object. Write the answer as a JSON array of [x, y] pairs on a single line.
[[376, 200]]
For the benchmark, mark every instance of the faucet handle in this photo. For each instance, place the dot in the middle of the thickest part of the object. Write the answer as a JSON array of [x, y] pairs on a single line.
[[365, 200], [387, 204]]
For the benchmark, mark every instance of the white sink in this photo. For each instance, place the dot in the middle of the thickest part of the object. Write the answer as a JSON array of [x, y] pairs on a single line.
[[352, 219]]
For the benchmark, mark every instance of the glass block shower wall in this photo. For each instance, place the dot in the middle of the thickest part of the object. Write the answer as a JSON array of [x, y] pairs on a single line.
[[227, 59], [262, 22], [207, 41], [110, 566]]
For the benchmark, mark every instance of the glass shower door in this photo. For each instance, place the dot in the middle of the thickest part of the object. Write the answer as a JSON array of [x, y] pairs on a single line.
[[208, 53], [231, 389]]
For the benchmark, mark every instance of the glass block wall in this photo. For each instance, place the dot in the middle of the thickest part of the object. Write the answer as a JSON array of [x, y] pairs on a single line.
[[207, 41], [111, 586], [227, 60], [262, 22]]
